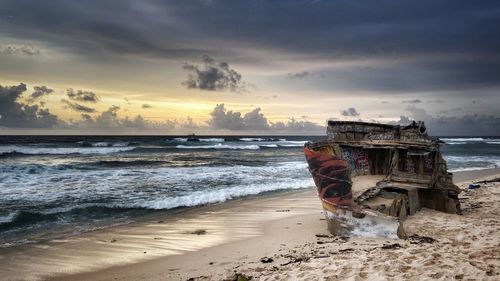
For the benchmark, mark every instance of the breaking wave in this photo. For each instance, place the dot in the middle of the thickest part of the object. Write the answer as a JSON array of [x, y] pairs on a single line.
[[462, 141], [219, 146], [102, 144], [218, 196], [212, 139], [33, 150], [103, 211], [291, 143], [471, 163]]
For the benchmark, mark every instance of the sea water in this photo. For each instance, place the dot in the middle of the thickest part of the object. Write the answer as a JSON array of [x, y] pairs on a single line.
[[53, 186]]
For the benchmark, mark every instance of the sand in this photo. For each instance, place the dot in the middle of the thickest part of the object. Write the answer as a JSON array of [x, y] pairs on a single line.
[[276, 237]]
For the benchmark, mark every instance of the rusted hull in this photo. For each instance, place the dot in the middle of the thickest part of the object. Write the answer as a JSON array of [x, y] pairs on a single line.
[[331, 175], [332, 178]]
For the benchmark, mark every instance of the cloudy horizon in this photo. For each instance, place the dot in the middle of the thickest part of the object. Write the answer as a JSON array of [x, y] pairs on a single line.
[[247, 67]]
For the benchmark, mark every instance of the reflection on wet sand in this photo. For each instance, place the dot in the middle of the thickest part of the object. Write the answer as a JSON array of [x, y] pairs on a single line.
[[147, 240]]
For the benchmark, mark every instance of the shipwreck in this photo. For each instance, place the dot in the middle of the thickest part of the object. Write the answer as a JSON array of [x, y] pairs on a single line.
[[370, 177]]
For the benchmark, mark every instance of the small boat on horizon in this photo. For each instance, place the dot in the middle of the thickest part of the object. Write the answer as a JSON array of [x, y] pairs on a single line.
[[192, 137]]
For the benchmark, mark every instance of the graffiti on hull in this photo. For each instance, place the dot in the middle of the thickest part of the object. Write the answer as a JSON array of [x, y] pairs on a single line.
[[357, 160]]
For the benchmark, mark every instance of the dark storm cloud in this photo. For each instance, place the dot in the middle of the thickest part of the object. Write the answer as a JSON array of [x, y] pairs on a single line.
[[83, 96], [416, 76], [351, 111], [92, 27], [298, 75], [436, 101], [15, 114], [412, 101], [466, 125], [465, 32], [20, 50], [213, 76], [340, 28], [38, 93], [78, 107]]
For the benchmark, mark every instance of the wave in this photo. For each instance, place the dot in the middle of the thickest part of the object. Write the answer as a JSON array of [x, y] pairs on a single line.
[[493, 142], [252, 139], [107, 144], [164, 188], [219, 146], [462, 139], [471, 163], [8, 217], [102, 144], [28, 150], [212, 139], [128, 163], [268, 145], [197, 139], [102, 211], [179, 139], [468, 140], [261, 139], [22, 218], [291, 143], [465, 169], [198, 198]]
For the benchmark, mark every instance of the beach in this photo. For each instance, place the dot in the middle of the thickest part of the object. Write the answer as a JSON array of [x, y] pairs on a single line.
[[249, 140], [279, 236]]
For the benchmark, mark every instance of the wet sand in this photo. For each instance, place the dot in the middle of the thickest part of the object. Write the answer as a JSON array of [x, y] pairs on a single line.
[[276, 237]]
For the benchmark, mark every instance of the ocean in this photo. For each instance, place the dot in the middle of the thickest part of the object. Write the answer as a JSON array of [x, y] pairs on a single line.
[[55, 186]]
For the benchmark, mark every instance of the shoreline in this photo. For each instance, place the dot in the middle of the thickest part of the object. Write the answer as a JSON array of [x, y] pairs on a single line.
[[235, 233]]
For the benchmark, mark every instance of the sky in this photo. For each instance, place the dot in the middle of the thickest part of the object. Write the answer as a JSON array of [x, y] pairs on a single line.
[[247, 67]]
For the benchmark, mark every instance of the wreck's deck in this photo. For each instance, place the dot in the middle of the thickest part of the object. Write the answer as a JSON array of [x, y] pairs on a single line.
[[362, 183]]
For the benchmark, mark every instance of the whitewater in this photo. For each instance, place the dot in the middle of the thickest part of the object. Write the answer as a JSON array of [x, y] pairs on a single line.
[[58, 186]]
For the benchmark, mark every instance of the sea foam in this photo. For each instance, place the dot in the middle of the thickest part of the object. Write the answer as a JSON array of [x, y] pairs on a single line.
[[33, 150], [219, 146]]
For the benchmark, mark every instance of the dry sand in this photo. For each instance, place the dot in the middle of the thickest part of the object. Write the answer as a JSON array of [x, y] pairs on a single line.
[[278, 237]]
